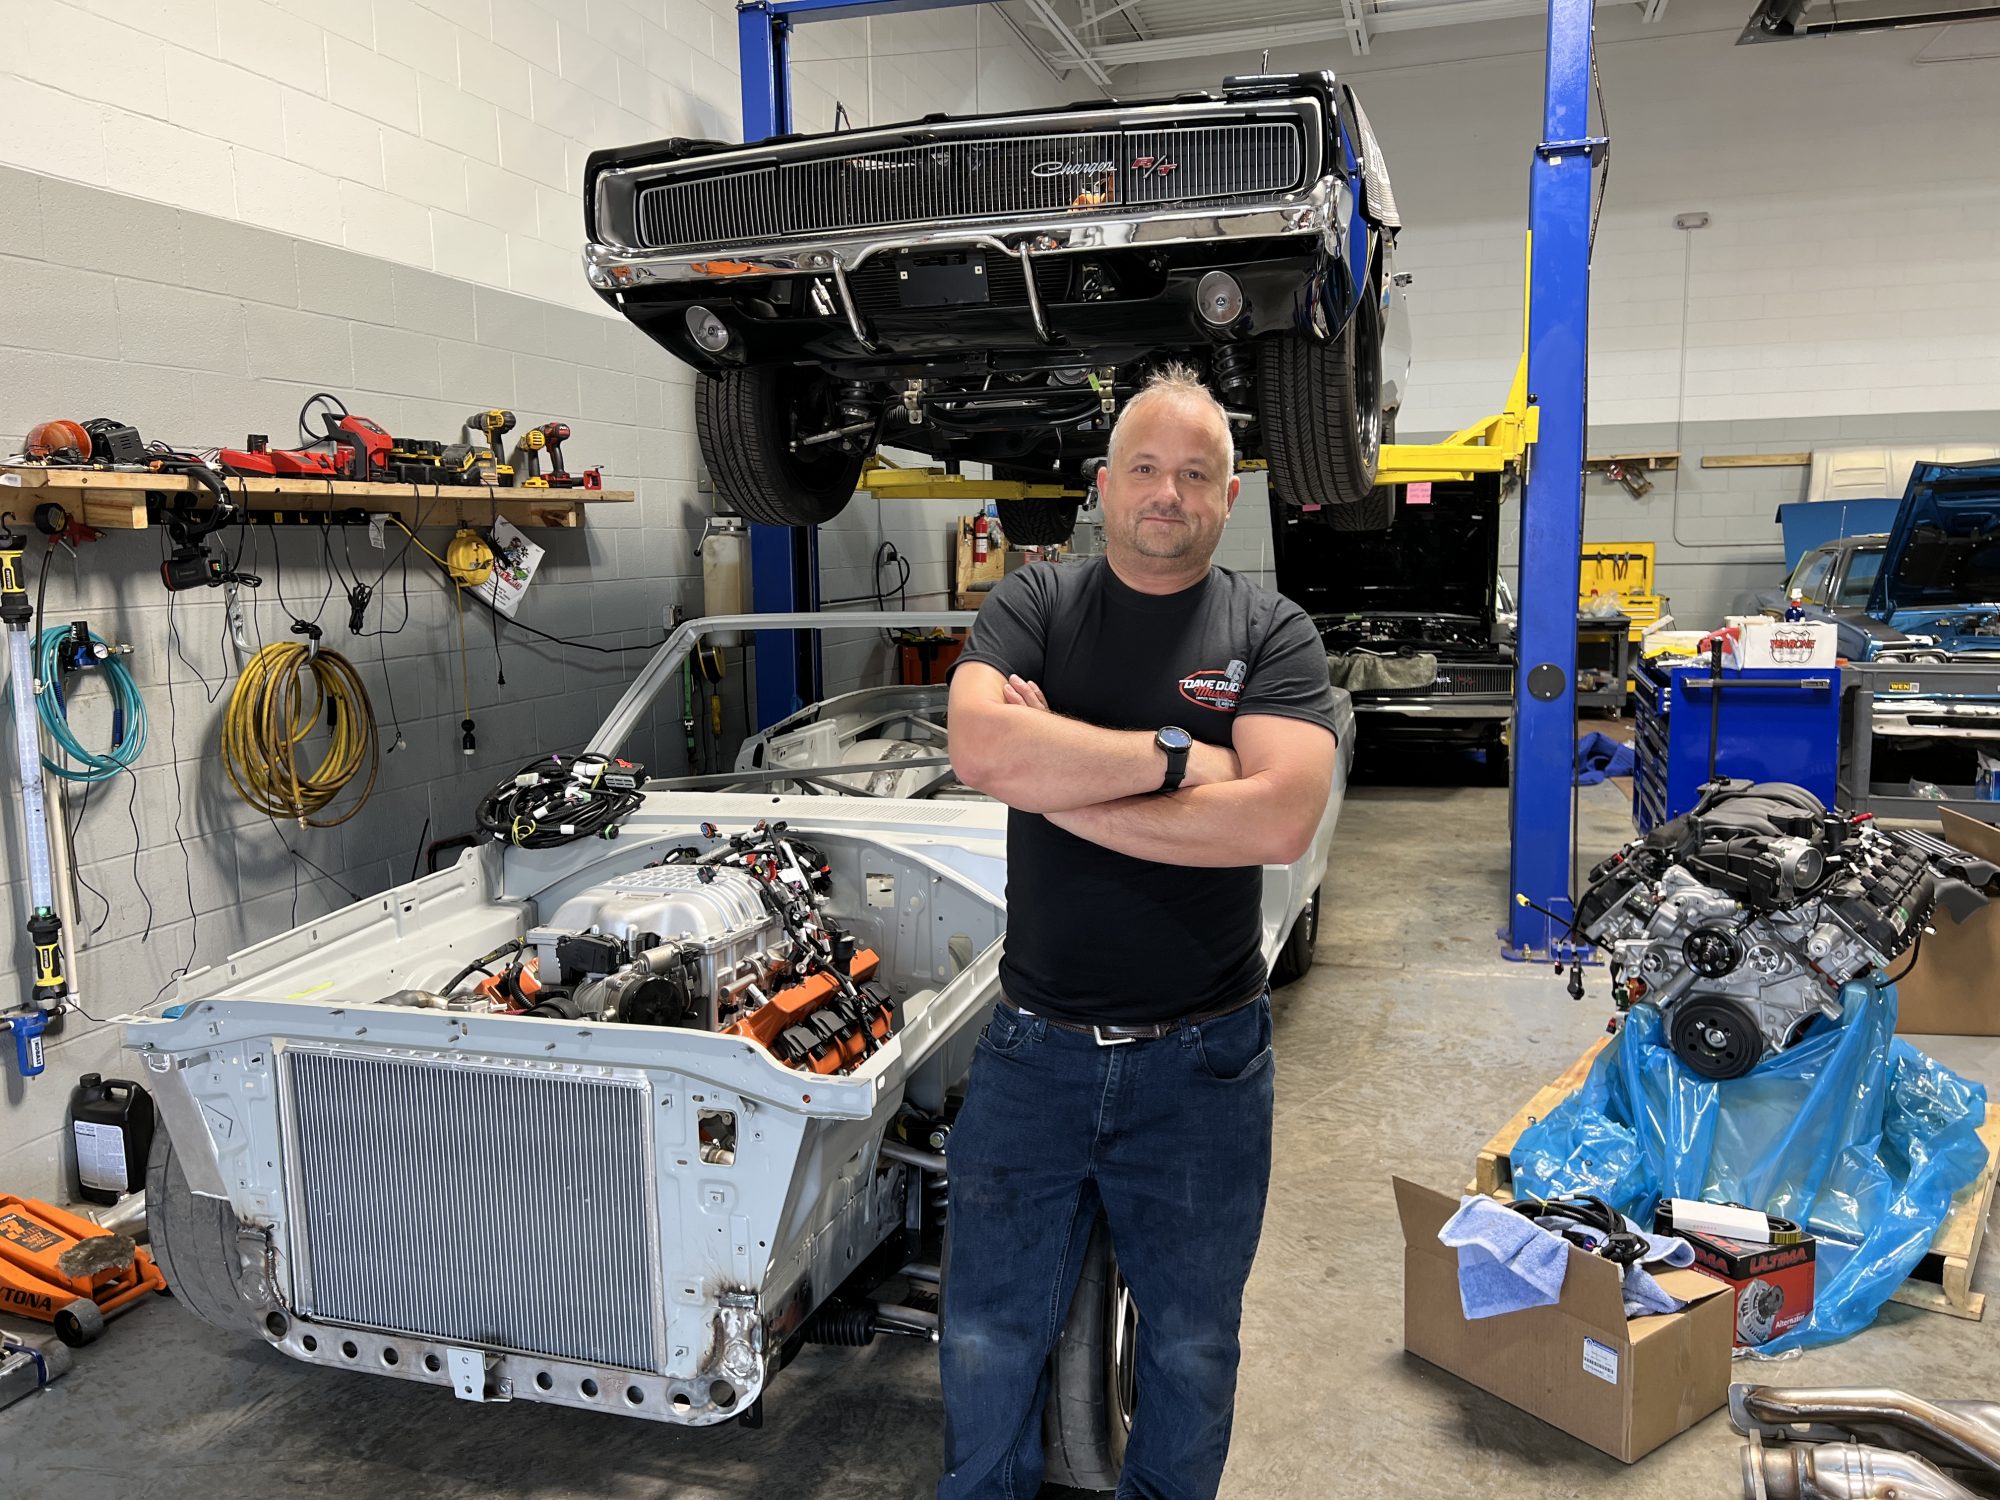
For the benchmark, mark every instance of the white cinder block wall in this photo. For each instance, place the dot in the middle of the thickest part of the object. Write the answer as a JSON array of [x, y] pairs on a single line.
[[1847, 290], [212, 208]]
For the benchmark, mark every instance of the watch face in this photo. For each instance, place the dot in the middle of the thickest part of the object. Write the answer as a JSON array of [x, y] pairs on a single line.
[[1174, 739]]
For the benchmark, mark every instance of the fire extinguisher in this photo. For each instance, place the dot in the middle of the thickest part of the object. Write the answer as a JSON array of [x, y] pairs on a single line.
[[979, 538]]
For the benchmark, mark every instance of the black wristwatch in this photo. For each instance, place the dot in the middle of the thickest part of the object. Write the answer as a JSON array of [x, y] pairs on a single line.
[[1176, 743]]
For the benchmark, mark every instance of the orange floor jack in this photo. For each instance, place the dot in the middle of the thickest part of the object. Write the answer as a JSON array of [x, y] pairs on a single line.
[[58, 1268]]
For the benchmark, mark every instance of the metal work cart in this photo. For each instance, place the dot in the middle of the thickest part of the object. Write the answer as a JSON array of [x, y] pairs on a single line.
[[1771, 724], [1603, 661], [1873, 690]]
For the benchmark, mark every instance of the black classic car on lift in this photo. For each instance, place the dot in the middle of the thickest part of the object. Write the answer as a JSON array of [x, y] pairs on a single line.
[[1411, 618], [991, 289]]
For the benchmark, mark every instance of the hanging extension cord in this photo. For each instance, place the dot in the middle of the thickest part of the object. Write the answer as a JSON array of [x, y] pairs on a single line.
[[285, 690], [468, 559], [468, 562]]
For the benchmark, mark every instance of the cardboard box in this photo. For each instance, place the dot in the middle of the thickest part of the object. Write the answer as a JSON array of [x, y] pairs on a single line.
[[1764, 642], [1622, 1387], [1954, 989]]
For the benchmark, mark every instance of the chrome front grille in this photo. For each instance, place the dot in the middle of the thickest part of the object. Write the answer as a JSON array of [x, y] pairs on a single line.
[[474, 1204], [1003, 177], [1199, 163], [1460, 678]]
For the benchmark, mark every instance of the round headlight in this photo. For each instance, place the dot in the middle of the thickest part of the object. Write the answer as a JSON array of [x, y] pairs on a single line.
[[1219, 299], [707, 330]]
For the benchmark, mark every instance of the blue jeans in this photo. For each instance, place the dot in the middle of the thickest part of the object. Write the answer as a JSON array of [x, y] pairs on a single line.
[[1171, 1140]]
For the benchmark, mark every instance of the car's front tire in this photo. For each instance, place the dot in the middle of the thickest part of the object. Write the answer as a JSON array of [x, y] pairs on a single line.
[[1319, 403], [1093, 1376], [195, 1243], [1296, 955], [745, 420]]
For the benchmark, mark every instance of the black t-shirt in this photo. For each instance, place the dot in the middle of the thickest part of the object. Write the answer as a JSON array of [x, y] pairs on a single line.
[[1098, 936]]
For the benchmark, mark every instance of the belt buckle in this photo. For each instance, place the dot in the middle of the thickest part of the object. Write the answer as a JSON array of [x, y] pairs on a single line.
[[1110, 1041]]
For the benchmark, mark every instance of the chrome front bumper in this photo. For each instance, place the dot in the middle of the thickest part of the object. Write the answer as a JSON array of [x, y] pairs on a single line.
[[1323, 211]]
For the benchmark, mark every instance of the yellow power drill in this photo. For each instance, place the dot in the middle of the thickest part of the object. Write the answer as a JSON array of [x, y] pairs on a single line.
[[485, 429]]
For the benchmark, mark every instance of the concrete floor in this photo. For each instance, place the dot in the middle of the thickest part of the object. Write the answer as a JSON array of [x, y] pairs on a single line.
[[1402, 1050]]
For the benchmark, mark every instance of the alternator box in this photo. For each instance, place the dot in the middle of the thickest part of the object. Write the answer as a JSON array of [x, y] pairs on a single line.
[[1772, 1284]]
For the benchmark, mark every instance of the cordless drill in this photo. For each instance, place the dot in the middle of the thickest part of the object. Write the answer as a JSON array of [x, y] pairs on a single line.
[[528, 458], [491, 425], [554, 435]]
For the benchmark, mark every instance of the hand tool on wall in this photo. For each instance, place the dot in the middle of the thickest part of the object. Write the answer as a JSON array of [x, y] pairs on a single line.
[[101, 442], [47, 984], [343, 446], [192, 565], [488, 427], [528, 457], [554, 435]]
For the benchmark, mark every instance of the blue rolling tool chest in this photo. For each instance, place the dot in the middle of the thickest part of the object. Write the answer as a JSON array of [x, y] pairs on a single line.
[[1776, 724]]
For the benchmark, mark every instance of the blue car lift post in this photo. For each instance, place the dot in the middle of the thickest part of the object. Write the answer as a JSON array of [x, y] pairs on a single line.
[[1540, 827], [784, 560]]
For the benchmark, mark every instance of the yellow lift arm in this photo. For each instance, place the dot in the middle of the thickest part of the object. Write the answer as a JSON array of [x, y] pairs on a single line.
[[1493, 446]]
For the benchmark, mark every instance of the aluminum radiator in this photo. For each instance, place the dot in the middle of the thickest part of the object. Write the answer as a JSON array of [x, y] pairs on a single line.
[[477, 1204]]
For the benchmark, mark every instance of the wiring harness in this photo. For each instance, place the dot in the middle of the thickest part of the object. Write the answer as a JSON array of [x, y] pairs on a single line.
[[1587, 1222], [557, 800], [285, 690]]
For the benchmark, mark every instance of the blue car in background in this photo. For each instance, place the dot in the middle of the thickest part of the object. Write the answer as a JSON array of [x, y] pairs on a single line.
[[1928, 590]]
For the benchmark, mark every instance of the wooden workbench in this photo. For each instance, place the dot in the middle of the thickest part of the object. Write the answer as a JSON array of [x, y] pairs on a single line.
[[112, 500]]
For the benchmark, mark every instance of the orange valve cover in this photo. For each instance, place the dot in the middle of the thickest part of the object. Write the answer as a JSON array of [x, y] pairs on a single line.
[[796, 1003]]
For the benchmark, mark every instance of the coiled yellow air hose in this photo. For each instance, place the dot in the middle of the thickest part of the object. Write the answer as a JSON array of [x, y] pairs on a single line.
[[285, 691]]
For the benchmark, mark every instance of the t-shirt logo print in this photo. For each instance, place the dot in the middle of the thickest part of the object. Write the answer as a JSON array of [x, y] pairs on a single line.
[[1216, 689]]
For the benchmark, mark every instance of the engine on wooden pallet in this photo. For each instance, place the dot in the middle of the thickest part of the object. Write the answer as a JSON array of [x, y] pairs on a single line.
[[733, 938], [1740, 920]]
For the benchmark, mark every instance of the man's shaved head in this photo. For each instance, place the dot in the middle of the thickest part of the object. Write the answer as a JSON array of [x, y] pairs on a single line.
[[1178, 384], [1168, 484]]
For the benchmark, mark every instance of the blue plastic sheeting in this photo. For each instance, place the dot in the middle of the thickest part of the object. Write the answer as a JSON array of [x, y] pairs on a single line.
[[1850, 1132], [1599, 756]]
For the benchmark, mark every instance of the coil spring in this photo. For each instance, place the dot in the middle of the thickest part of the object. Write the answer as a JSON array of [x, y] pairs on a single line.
[[847, 1327], [1232, 368]]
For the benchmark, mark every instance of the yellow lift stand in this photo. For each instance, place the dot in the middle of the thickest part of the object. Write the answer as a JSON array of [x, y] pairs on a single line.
[[1494, 446], [887, 481]]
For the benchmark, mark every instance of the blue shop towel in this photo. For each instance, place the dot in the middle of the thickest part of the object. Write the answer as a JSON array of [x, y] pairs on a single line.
[[1599, 756], [1505, 1263], [1644, 1295]]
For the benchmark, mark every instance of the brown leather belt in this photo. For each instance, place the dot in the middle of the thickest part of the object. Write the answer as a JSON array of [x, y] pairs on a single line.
[[1118, 1036]]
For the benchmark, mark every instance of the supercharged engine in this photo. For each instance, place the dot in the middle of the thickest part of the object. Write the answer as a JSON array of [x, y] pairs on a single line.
[[1740, 920], [731, 939]]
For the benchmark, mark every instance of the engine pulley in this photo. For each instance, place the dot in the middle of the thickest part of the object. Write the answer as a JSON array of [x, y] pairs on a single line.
[[1712, 951], [1716, 1036]]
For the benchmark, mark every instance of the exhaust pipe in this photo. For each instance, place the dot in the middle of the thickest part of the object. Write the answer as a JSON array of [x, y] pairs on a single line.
[[1843, 1471], [1955, 1434]]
